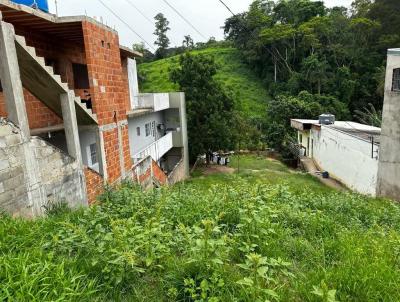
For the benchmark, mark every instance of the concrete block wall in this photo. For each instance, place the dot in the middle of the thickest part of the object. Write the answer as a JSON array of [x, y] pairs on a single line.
[[13, 192], [61, 178], [178, 173]]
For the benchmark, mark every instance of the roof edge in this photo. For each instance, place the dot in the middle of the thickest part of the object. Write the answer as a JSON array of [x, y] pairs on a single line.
[[53, 18], [394, 51]]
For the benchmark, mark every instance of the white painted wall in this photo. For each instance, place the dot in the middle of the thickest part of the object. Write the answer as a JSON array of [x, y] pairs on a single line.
[[138, 143], [133, 83], [86, 138], [346, 158]]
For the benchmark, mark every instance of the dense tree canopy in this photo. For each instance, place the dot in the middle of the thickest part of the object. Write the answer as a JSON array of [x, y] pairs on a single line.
[[300, 45], [316, 59], [210, 114]]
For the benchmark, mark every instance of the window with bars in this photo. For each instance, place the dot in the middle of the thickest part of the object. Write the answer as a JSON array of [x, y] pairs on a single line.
[[93, 154], [147, 129], [153, 128], [396, 80]]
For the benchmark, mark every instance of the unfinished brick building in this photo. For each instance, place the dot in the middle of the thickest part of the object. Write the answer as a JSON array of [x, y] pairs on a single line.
[[67, 99]]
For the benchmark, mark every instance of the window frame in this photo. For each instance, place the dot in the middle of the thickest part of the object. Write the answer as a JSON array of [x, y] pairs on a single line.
[[147, 128], [153, 128], [396, 80], [92, 154]]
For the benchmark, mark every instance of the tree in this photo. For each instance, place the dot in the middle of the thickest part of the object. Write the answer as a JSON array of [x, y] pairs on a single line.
[[315, 72], [210, 114], [297, 45], [147, 54], [161, 32], [188, 42], [370, 116]]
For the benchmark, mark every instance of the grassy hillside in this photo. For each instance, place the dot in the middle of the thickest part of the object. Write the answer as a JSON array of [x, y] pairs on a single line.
[[236, 78], [266, 233]]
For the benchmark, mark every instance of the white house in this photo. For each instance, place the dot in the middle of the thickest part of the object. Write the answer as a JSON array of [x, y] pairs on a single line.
[[157, 127], [348, 151]]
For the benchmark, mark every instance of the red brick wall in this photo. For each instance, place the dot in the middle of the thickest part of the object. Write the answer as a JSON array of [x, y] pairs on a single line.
[[104, 66], [39, 115], [108, 89], [111, 146], [145, 177], [94, 185], [126, 151], [159, 174], [64, 53]]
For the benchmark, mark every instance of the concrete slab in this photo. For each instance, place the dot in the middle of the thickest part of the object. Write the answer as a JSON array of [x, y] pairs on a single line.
[[309, 165]]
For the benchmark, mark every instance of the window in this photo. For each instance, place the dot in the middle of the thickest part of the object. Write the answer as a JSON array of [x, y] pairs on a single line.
[[1, 87], [300, 139], [153, 128], [81, 77], [396, 80], [93, 154], [148, 129], [138, 131]]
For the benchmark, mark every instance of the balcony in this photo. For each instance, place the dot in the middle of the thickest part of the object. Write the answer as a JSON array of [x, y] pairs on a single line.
[[151, 101], [157, 149]]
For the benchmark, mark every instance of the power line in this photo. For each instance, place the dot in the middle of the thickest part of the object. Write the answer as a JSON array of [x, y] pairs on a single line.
[[126, 24], [139, 11], [227, 7], [186, 20]]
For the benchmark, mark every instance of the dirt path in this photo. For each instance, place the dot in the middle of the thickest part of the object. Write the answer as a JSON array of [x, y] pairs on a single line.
[[310, 166], [213, 169]]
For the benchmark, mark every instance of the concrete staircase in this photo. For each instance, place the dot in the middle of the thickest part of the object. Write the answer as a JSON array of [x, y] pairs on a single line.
[[47, 86]]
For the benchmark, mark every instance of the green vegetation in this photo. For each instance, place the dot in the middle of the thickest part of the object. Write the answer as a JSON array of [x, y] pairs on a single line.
[[335, 55], [235, 77], [267, 233], [211, 120]]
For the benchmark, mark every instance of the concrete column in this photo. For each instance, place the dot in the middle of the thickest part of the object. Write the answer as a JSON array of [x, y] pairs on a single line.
[[101, 153], [183, 118], [11, 79], [72, 137], [121, 148], [71, 126], [16, 110], [388, 184]]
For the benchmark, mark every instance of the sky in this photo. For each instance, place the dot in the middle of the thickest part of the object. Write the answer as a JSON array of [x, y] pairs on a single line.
[[207, 16]]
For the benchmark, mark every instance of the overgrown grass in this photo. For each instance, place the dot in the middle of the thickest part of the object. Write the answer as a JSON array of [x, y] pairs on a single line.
[[237, 79], [264, 233]]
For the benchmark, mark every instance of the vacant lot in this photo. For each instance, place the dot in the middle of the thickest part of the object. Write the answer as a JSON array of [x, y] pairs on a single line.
[[265, 233]]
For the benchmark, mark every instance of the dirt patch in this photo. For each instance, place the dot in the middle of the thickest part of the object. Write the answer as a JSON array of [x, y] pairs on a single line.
[[213, 169]]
